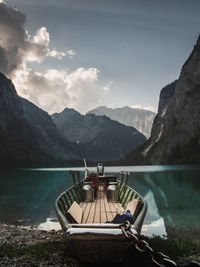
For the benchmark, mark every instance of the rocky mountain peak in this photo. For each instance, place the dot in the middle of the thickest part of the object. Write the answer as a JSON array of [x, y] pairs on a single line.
[[175, 136], [99, 137], [138, 118]]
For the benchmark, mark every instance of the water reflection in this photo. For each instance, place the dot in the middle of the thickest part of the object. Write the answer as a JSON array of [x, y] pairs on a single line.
[[154, 223], [50, 224], [28, 197], [177, 197], [173, 195]]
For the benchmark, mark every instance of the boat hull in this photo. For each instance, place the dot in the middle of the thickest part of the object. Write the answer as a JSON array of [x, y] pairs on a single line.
[[99, 250], [98, 242]]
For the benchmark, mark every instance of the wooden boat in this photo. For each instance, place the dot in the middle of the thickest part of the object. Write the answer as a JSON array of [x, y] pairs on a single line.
[[85, 209]]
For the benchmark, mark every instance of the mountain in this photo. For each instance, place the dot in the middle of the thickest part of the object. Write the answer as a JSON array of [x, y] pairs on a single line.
[[46, 133], [30, 137], [140, 119], [99, 137], [175, 136], [18, 143]]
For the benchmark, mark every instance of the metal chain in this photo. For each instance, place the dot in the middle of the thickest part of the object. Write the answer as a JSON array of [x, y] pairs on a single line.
[[158, 258]]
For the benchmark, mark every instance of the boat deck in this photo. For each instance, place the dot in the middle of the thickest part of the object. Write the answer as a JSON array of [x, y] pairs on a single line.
[[100, 210]]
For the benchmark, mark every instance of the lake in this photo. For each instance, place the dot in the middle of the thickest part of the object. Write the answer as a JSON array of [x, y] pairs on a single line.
[[27, 197]]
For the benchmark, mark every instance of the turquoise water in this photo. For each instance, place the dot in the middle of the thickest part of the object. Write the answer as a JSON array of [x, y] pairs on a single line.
[[172, 192]]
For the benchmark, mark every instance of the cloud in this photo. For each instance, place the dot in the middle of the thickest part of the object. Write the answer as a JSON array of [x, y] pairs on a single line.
[[55, 90], [55, 53], [37, 47], [71, 53], [52, 90], [139, 106], [17, 46]]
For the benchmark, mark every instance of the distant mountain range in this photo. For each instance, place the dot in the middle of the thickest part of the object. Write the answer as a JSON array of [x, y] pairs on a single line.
[[29, 136], [140, 119], [175, 136], [99, 137]]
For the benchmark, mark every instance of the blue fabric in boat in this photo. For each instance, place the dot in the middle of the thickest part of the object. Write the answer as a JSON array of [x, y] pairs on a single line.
[[126, 216]]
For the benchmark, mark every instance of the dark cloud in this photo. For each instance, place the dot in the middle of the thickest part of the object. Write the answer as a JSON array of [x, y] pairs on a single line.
[[3, 61], [11, 16], [17, 47], [12, 38]]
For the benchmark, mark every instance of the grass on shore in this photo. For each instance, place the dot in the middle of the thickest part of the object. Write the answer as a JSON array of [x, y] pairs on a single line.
[[37, 250], [176, 248]]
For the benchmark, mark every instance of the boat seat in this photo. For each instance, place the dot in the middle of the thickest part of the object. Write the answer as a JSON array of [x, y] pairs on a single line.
[[134, 206], [74, 213]]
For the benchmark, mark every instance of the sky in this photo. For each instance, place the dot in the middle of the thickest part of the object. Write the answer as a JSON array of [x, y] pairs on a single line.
[[86, 53]]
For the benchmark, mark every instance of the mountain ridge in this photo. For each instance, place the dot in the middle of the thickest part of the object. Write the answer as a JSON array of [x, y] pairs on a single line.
[[98, 134], [29, 136], [138, 118]]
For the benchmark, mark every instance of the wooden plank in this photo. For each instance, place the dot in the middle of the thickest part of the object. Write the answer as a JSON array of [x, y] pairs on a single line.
[[103, 210], [100, 210], [74, 195], [132, 205], [118, 207], [67, 202], [128, 191], [112, 209], [108, 211], [129, 198], [83, 205], [62, 205], [86, 212], [90, 218], [97, 216], [74, 213], [70, 200]]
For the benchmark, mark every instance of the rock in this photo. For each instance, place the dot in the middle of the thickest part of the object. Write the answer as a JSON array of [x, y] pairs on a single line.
[[98, 137], [140, 119], [46, 133], [17, 141], [175, 136]]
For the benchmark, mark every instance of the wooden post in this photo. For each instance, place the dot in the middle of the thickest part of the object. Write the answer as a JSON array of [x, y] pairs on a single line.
[[79, 180], [122, 178], [74, 178], [127, 174]]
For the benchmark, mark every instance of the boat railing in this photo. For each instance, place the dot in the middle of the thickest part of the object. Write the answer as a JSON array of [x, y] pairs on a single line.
[[126, 194]]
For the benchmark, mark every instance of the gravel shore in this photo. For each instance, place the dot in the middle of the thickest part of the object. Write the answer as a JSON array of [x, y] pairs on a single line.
[[23, 246]]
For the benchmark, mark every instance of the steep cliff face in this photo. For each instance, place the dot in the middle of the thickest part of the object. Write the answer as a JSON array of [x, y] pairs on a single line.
[[99, 137], [166, 95], [175, 136], [17, 141], [46, 133], [11, 111], [138, 118]]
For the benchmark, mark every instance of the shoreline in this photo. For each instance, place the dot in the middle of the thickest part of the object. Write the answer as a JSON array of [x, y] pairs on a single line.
[[23, 246]]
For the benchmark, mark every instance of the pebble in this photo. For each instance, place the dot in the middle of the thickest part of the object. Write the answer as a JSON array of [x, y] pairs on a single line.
[[21, 236]]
